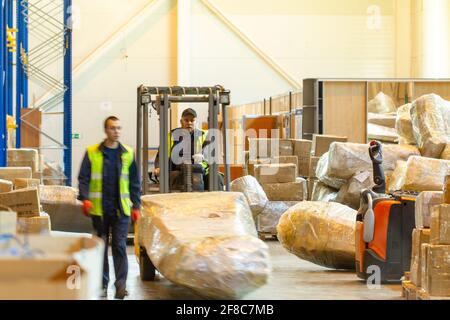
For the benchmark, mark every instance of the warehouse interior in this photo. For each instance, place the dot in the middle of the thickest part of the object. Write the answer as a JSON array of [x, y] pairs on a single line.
[[319, 167]]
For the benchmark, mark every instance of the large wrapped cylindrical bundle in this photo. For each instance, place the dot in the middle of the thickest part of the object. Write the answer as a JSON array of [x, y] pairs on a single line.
[[204, 241], [425, 174], [253, 191], [430, 116], [320, 232], [403, 125], [345, 159]]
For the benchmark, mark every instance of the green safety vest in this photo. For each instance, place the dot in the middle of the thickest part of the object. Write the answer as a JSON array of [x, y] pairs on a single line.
[[199, 143], [96, 183]]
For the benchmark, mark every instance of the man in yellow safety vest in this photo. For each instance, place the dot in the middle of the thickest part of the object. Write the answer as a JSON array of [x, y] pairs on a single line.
[[109, 188]]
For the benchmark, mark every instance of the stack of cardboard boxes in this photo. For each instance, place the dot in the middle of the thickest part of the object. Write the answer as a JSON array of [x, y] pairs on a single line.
[[26, 158], [19, 192], [429, 276]]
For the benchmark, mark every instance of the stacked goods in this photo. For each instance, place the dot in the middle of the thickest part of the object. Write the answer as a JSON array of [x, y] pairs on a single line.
[[350, 192], [21, 183], [382, 103], [267, 221], [276, 173], [12, 173], [439, 225], [253, 192], [436, 270], [24, 158], [430, 116], [6, 186], [381, 133], [8, 221], [403, 125], [312, 177], [322, 192], [387, 120], [424, 203], [423, 174], [57, 194], [289, 191], [302, 149], [269, 147], [24, 201], [34, 225], [220, 258], [321, 143], [320, 232], [419, 237]]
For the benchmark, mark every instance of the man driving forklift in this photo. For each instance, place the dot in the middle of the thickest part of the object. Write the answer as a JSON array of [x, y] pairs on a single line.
[[186, 146]]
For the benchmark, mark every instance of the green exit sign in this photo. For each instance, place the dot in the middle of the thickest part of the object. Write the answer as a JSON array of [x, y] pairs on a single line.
[[76, 136]]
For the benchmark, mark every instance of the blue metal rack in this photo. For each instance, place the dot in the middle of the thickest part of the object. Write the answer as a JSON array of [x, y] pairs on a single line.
[[68, 93]]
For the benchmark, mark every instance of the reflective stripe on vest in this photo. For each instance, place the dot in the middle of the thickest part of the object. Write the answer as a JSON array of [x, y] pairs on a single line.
[[96, 182], [199, 142]]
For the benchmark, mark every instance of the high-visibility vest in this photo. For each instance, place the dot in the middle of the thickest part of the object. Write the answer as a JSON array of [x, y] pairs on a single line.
[[199, 141], [96, 183]]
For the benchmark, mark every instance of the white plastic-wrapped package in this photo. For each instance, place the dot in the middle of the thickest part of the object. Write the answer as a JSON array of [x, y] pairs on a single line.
[[425, 174], [403, 125], [425, 200], [397, 178], [204, 241], [346, 159], [320, 232], [382, 103], [350, 193], [377, 132], [250, 187], [322, 192], [57, 194], [268, 220], [321, 173], [384, 120], [430, 116]]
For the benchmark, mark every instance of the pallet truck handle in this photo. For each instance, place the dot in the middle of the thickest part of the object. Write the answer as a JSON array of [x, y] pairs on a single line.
[[376, 155], [369, 220]]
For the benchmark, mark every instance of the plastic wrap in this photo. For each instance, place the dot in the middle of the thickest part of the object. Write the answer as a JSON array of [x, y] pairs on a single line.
[[425, 174], [322, 192], [321, 173], [34, 225], [345, 159], [397, 178], [57, 194], [403, 125], [291, 191], [205, 241], [384, 120], [252, 190], [320, 232], [350, 193], [268, 220], [430, 116], [377, 132], [382, 103], [424, 202]]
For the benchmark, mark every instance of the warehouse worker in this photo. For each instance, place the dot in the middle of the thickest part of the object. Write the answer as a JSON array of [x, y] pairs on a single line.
[[110, 191], [198, 142]]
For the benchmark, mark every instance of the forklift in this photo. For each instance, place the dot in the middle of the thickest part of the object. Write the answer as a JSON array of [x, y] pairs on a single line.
[[384, 227], [190, 177]]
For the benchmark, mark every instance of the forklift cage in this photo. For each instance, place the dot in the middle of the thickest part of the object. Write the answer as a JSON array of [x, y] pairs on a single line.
[[160, 98]]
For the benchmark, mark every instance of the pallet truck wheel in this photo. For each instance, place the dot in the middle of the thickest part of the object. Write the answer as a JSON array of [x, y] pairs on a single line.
[[146, 267]]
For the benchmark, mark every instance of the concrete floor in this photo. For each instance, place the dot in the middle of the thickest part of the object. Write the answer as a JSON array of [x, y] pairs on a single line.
[[292, 279]]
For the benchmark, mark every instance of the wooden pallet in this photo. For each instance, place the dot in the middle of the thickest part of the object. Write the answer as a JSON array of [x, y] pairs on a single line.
[[409, 290], [423, 295]]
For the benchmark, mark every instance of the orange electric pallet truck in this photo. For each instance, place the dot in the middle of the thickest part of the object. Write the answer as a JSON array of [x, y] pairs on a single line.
[[384, 227]]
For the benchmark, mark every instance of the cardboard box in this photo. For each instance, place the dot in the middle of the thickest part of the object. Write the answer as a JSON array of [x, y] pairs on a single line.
[[8, 222], [424, 202], [312, 166], [34, 225], [252, 163], [321, 143], [286, 148], [26, 183], [269, 148], [291, 191], [12, 173], [424, 265], [24, 158], [5, 186], [285, 159], [440, 224], [275, 173], [438, 271], [69, 269], [302, 149], [25, 202], [419, 237]]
